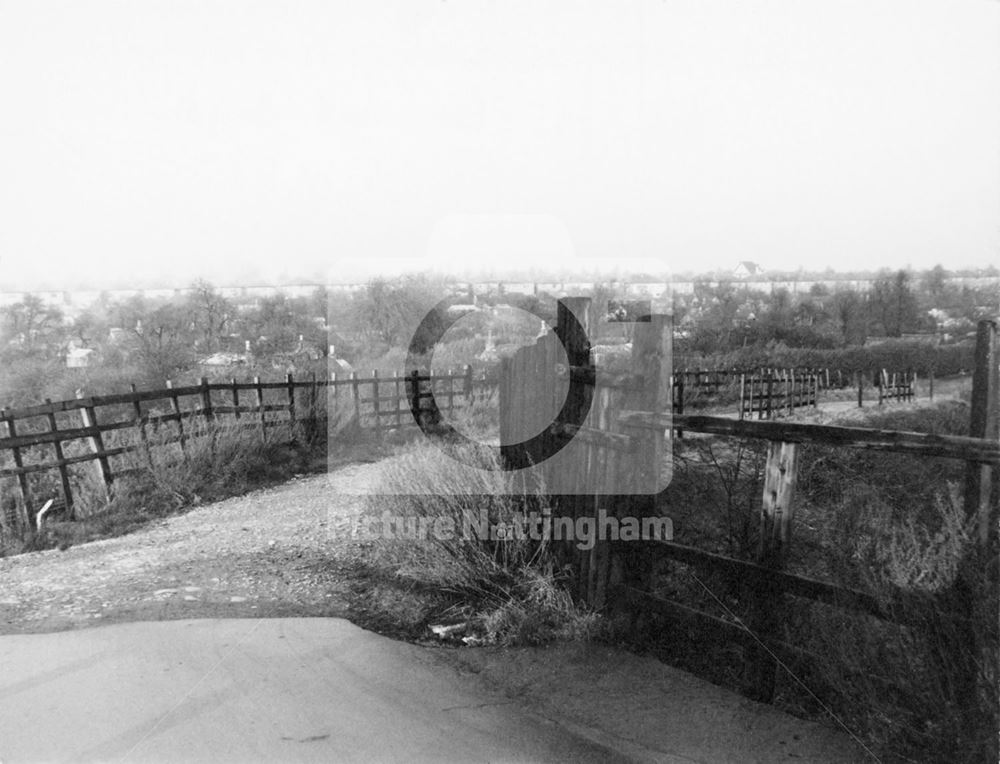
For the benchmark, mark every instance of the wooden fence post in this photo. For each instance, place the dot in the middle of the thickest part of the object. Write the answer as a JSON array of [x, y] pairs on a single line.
[[63, 471], [861, 386], [930, 383], [259, 391], [984, 422], [22, 479], [175, 407], [292, 415], [400, 394], [140, 426], [770, 392], [375, 401], [88, 418], [236, 397], [775, 538], [313, 420], [468, 385], [206, 401], [356, 393], [415, 396], [968, 593]]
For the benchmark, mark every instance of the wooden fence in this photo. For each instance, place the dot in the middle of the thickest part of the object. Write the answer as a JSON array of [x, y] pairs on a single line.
[[775, 392], [630, 414], [897, 386], [97, 433]]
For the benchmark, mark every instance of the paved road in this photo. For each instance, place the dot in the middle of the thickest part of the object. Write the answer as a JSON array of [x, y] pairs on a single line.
[[270, 690]]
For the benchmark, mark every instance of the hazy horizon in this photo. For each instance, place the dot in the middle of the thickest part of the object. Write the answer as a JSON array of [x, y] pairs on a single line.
[[156, 143]]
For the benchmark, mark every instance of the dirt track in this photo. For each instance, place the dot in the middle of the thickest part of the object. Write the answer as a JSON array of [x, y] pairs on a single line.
[[268, 553]]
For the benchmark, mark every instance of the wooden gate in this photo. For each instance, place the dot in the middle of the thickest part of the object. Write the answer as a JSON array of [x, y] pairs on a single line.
[[559, 415]]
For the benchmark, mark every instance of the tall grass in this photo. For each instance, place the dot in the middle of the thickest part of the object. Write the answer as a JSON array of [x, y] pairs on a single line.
[[509, 588], [221, 458]]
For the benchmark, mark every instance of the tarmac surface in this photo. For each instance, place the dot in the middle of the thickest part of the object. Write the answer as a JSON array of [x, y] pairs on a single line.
[[254, 690], [322, 689]]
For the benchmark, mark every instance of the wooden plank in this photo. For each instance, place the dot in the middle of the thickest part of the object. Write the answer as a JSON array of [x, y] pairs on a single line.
[[98, 401], [917, 443]]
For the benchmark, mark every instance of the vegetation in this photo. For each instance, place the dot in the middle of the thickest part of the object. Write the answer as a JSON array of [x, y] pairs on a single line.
[[888, 524], [500, 590]]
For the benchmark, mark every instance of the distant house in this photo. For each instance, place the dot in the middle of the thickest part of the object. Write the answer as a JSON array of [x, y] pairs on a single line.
[[224, 359], [747, 269], [78, 358], [461, 309]]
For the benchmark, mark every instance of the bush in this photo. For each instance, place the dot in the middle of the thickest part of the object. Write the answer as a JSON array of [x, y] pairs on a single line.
[[893, 355]]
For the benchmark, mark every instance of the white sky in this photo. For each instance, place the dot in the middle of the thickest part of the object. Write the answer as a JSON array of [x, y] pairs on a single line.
[[158, 141]]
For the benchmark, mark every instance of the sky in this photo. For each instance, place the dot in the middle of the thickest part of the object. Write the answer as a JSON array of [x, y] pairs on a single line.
[[150, 143]]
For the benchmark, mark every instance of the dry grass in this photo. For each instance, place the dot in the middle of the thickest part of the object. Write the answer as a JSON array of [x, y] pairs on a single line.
[[507, 590]]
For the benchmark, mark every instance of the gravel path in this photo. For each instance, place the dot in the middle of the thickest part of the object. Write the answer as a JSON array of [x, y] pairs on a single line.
[[272, 552]]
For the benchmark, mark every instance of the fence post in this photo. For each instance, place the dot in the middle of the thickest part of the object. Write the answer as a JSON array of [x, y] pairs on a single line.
[[259, 390], [375, 401], [879, 377], [313, 420], [356, 393], [772, 551], [22, 479], [236, 397], [861, 386], [415, 396], [468, 384], [293, 422], [399, 394], [968, 591], [89, 419], [930, 383], [206, 400], [63, 472], [984, 422], [140, 425], [175, 406], [770, 391]]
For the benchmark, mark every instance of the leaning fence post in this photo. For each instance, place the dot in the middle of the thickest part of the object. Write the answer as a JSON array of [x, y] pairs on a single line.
[[175, 406], [63, 472], [772, 551], [88, 417]]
